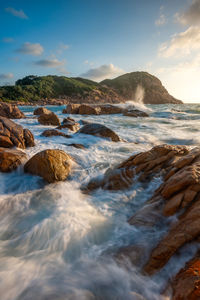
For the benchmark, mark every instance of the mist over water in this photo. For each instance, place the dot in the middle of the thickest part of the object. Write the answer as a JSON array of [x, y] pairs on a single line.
[[57, 243]]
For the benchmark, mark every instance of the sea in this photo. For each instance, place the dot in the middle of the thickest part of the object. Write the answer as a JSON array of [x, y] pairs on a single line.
[[57, 243]]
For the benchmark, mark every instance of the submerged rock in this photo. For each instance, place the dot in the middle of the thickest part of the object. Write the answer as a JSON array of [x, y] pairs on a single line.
[[78, 146], [54, 132], [70, 124], [100, 131], [10, 111], [41, 111], [51, 164], [12, 134], [49, 119], [135, 113], [10, 159]]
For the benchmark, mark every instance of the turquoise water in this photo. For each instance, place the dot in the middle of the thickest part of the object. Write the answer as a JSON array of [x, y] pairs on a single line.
[[57, 243]]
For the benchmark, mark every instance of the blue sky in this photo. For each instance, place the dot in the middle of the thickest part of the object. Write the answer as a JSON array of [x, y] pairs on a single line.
[[100, 39]]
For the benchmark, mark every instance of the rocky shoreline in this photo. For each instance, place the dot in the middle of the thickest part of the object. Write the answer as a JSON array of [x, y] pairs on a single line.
[[177, 196]]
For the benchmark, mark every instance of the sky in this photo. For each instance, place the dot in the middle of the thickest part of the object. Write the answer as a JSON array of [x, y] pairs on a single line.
[[100, 39]]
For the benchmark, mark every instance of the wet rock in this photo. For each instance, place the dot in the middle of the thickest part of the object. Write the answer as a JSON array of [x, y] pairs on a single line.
[[110, 109], [186, 284], [10, 111], [10, 159], [70, 124], [49, 119], [12, 134], [135, 113], [54, 132], [85, 109], [146, 165], [84, 122], [71, 109], [78, 146], [100, 131], [41, 110], [52, 165]]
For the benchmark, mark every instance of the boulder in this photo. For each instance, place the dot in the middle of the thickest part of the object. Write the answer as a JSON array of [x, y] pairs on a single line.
[[78, 146], [54, 132], [135, 113], [12, 134], [100, 131], [10, 159], [186, 284], [70, 124], [85, 109], [51, 164], [71, 109], [41, 111], [10, 111], [110, 109], [49, 119]]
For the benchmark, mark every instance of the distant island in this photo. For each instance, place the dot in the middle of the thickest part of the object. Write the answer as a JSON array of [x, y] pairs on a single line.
[[137, 86]]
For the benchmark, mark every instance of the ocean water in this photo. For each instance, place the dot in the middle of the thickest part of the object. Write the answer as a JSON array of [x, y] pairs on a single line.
[[57, 243]]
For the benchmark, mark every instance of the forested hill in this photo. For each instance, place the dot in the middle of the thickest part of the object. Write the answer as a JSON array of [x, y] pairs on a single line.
[[80, 90]]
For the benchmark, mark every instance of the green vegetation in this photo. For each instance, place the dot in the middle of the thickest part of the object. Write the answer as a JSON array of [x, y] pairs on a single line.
[[33, 88]]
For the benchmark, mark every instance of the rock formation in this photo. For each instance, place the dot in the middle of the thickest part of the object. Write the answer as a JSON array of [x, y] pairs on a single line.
[[52, 165], [10, 159], [10, 111], [100, 131]]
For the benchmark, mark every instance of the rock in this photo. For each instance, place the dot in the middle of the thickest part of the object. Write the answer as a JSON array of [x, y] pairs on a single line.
[[69, 124], [10, 111], [155, 161], [100, 131], [10, 159], [186, 284], [85, 109], [83, 122], [71, 109], [110, 109], [51, 165], [12, 134], [135, 113], [49, 119], [41, 111], [78, 146], [54, 132]]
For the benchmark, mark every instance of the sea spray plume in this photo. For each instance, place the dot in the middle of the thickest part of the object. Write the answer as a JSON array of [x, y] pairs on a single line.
[[138, 98]]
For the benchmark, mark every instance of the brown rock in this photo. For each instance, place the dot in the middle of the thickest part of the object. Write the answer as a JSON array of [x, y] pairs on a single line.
[[41, 111], [135, 113], [49, 119], [12, 134], [186, 284], [69, 124], [85, 109], [10, 159], [99, 130], [71, 109], [78, 146], [54, 132], [10, 111], [52, 165], [110, 109]]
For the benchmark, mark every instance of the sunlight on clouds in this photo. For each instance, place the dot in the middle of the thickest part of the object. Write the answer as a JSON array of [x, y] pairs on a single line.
[[103, 72]]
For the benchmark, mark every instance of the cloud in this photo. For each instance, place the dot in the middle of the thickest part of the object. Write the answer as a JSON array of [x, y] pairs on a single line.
[[161, 20], [31, 49], [8, 40], [50, 63], [6, 76], [182, 44], [17, 13], [191, 16], [102, 72], [62, 47]]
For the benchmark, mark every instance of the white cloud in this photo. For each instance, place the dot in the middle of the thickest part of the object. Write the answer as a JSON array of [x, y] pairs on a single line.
[[182, 44], [103, 72], [191, 16], [50, 63], [62, 47], [17, 13], [161, 20], [31, 49], [8, 40], [6, 76]]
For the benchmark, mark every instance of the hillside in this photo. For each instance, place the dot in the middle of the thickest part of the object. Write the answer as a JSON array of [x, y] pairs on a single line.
[[154, 92], [34, 89]]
